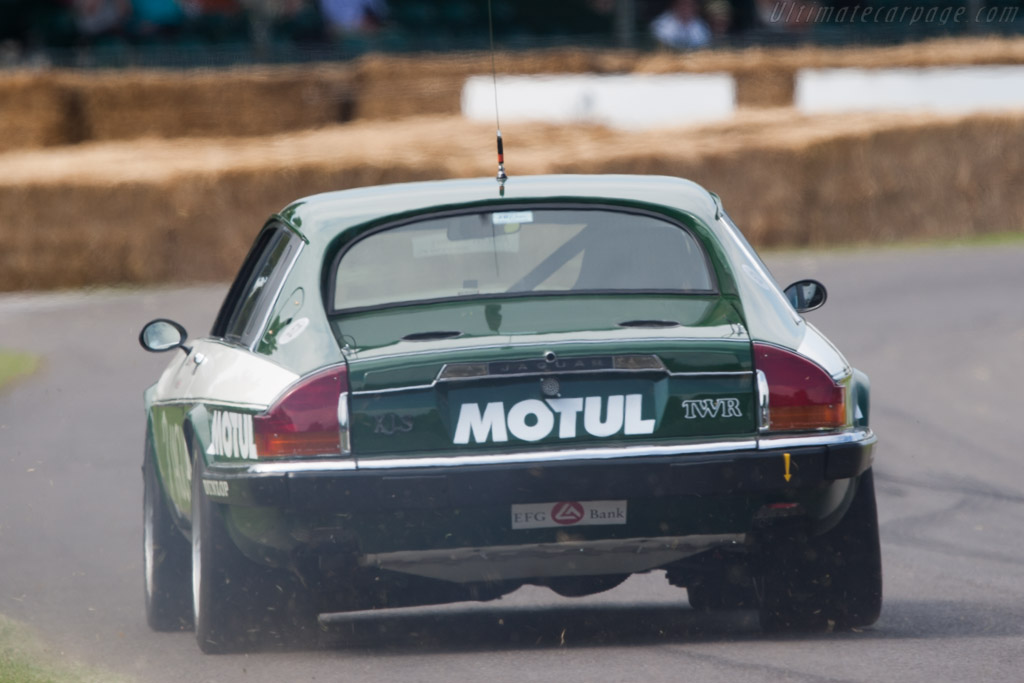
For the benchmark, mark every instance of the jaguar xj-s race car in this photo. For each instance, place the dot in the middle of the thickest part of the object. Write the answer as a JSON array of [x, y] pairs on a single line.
[[434, 392]]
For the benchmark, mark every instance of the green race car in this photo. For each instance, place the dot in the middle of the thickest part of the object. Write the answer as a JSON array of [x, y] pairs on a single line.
[[434, 392]]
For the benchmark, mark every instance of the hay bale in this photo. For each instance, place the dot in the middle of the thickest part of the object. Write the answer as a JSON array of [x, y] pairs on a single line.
[[396, 86], [183, 210], [238, 102], [35, 111], [765, 87]]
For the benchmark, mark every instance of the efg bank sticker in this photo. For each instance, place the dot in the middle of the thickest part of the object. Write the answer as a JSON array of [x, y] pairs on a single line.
[[507, 217], [569, 513], [292, 331]]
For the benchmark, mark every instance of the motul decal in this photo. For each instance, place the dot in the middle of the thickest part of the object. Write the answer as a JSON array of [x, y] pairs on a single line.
[[533, 419], [568, 513], [712, 408], [231, 436]]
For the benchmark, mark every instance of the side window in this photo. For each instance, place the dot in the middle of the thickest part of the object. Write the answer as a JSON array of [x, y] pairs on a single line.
[[251, 296]]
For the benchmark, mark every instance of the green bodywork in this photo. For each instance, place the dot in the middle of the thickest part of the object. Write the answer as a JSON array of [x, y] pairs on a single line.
[[400, 407]]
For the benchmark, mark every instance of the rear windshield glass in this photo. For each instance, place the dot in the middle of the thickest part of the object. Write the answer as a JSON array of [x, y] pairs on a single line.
[[497, 253]]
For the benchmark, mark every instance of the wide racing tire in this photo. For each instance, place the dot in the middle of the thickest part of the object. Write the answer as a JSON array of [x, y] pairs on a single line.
[[809, 584], [240, 605], [166, 556]]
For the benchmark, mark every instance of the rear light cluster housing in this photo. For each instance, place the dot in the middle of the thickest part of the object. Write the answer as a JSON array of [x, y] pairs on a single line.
[[310, 419], [796, 394]]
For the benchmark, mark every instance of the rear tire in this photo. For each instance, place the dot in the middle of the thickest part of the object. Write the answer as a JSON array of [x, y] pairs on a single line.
[[239, 605], [166, 556], [808, 583]]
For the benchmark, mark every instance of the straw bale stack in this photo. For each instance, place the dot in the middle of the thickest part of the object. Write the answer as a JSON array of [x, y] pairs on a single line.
[[240, 102], [35, 111], [185, 210]]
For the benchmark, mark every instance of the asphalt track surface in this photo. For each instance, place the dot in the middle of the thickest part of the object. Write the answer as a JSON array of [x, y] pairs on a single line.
[[940, 331]]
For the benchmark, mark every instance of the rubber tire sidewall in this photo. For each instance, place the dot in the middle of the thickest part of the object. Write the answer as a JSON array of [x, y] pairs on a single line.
[[217, 574], [166, 556], [808, 583]]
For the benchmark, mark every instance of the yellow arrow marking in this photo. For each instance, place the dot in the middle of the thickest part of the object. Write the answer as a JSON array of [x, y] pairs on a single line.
[[785, 458]]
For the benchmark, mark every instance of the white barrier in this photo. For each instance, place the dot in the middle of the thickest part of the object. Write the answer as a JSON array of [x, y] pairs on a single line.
[[937, 89], [632, 102]]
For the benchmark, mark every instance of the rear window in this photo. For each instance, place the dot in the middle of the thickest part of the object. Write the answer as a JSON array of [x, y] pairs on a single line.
[[496, 253]]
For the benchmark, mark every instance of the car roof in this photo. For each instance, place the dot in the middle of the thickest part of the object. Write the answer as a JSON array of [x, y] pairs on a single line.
[[324, 216]]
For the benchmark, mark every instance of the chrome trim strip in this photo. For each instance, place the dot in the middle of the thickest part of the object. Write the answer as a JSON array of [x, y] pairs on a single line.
[[344, 437], [417, 387], [332, 465], [828, 439], [412, 462], [557, 456], [723, 373], [763, 401], [437, 380], [611, 453], [211, 404]]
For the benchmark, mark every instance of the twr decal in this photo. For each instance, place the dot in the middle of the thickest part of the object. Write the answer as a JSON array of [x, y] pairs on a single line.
[[712, 408], [533, 419]]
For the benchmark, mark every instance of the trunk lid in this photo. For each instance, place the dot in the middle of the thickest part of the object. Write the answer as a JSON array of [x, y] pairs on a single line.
[[548, 373]]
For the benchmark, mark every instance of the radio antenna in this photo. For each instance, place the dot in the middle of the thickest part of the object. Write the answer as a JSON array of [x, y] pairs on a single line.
[[502, 176]]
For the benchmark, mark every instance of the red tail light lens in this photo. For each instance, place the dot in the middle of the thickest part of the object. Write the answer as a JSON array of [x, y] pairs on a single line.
[[305, 421], [801, 395]]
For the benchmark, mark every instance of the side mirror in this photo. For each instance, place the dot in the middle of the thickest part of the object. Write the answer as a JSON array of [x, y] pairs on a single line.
[[163, 335], [806, 295]]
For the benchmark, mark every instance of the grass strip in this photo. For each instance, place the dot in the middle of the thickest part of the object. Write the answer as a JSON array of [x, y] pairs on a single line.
[[23, 659], [14, 365]]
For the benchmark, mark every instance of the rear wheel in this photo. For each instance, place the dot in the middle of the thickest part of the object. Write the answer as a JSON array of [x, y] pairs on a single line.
[[239, 605], [168, 570], [806, 583]]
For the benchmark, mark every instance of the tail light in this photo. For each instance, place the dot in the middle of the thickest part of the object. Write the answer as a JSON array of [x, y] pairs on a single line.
[[310, 419], [801, 395]]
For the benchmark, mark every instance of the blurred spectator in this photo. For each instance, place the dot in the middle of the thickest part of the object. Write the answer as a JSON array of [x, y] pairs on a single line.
[[157, 18], [681, 26], [216, 21], [291, 20], [719, 14], [100, 20], [197, 8], [353, 16], [299, 21]]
